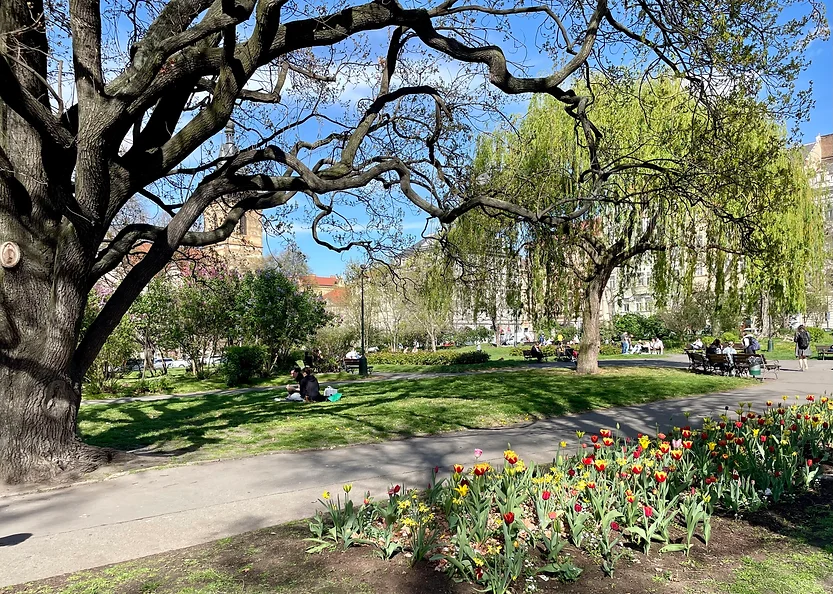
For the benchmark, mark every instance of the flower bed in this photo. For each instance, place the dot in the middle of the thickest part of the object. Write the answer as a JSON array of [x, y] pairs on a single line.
[[501, 527], [428, 358]]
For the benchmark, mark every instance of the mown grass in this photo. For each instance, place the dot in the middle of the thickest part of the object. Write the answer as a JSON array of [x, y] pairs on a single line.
[[252, 423], [180, 381]]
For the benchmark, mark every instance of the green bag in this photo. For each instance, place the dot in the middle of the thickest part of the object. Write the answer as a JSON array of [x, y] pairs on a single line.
[[334, 397]]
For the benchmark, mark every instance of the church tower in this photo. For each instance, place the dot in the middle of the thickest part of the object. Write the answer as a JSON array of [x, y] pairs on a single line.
[[243, 249]]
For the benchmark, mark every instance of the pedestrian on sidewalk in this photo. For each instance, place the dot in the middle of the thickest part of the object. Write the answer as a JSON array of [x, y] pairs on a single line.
[[802, 347]]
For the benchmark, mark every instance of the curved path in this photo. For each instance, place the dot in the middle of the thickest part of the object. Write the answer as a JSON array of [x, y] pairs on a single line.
[[52, 532]]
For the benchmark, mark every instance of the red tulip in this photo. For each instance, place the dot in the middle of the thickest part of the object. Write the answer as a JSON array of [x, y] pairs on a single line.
[[508, 517], [614, 526], [809, 463], [738, 424], [545, 495], [687, 444], [763, 438], [594, 438], [648, 511], [458, 468], [577, 507]]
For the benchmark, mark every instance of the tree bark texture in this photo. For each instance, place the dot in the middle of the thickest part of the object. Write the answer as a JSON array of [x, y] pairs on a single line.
[[588, 353]]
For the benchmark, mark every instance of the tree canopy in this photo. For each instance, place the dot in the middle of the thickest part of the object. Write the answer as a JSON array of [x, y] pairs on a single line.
[[344, 106]]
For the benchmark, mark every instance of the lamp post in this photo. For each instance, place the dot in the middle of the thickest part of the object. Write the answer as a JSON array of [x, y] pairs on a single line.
[[363, 358]]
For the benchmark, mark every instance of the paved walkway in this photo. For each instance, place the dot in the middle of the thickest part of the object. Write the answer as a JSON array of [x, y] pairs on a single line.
[[133, 515]]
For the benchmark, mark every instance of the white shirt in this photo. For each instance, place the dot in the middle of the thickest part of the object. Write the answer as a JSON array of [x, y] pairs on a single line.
[[352, 355], [730, 350]]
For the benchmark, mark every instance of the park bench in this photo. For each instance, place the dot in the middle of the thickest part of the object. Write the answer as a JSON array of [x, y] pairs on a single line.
[[720, 363], [528, 355], [697, 361], [774, 366], [352, 366], [822, 352]]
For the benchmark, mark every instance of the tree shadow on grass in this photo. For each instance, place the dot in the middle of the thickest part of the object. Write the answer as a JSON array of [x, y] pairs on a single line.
[[252, 422]]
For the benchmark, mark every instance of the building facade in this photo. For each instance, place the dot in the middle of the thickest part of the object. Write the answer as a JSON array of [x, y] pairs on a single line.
[[243, 249]]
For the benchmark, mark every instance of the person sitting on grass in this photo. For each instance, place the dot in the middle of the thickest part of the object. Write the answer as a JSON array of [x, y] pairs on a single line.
[[310, 390], [537, 353], [294, 389]]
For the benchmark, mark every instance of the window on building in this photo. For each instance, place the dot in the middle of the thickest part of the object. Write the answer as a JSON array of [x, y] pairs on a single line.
[[627, 307], [241, 226]]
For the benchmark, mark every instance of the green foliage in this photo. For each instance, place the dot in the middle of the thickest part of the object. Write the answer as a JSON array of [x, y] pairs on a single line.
[[428, 358], [274, 312], [818, 336], [243, 363], [152, 316], [641, 327], [729, 337], [119, 347], [205, 313]]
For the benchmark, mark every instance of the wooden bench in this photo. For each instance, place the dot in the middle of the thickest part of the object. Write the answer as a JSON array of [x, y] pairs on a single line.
[[822, 352], [697, 361], [352, 366], [528, 355], [720, 363]]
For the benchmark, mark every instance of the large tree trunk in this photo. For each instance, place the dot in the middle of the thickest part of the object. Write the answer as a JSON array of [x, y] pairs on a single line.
[[42, 298], [588, 354]]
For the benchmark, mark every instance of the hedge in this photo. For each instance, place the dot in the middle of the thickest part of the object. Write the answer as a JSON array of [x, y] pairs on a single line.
[[428, 358]]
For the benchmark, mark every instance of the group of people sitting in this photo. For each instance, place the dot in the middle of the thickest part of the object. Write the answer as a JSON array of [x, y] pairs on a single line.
[[307, 388], [538, 354], [654, 346]]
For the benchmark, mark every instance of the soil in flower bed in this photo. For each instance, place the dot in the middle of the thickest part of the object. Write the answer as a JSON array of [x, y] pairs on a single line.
[[787, 549]]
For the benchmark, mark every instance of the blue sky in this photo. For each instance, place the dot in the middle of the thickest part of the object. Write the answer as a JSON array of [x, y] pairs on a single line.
[[820, 72]]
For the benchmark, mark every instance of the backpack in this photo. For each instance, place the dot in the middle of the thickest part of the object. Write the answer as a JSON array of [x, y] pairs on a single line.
[[803, 339], [754, 344]]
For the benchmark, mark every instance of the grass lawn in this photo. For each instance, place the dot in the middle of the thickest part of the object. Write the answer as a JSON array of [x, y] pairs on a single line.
[[252, 423], [777, 551], [180, 381]]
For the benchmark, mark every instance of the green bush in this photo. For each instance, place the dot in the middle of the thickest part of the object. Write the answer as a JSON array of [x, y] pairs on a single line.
[[243, 363], [729, 337], [817, 335], [610, 349], [428, 358]]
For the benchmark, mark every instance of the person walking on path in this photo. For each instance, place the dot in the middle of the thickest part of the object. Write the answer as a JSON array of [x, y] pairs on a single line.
[[802, 347], [625, 343]]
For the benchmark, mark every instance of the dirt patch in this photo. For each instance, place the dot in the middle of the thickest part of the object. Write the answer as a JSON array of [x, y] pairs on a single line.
[[274, 561]]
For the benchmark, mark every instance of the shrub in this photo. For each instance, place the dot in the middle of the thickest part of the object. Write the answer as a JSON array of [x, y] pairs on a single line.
[[817, 335], [243, 363], [729, 337], [428, 358]]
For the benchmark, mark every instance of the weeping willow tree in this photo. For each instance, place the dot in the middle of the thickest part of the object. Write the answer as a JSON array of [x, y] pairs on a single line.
[[678, 189]]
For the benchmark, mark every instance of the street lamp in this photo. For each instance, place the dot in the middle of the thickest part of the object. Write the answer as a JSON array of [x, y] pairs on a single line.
[[363, 358]]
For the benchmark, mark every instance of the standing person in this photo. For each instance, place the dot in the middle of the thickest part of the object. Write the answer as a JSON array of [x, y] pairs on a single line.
[[625, 343], [750, 343], [802, 347], [658, 346]]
